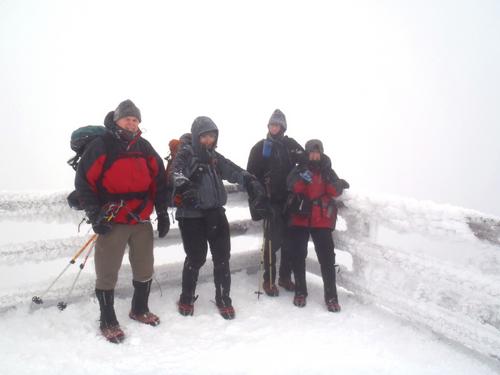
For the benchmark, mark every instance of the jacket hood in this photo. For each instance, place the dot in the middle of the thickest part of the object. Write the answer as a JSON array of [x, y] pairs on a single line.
[[200, 126], [314, 145]]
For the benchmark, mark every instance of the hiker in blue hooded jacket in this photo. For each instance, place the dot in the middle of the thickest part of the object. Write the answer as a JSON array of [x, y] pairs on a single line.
[[198, 171]]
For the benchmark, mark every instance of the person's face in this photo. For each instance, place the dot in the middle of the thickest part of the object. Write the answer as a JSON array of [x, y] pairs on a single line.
[[129, 123], [274, 129], [314, 156], [208, 139]]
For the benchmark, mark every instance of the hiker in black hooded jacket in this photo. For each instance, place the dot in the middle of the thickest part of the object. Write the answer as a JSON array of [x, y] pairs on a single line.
[[271, 160], [197, 174]]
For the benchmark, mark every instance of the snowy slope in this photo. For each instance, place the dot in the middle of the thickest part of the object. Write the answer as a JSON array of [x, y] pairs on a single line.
[[413, 271]]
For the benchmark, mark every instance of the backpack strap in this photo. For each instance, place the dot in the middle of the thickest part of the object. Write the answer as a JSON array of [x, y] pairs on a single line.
[[114, 153]]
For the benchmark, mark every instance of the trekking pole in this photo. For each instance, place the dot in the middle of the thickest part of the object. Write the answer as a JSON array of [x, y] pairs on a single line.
[[267, 184], [271, 282], [270, 249], [39, 300], [62, 305], [261, 264], [112, 211]]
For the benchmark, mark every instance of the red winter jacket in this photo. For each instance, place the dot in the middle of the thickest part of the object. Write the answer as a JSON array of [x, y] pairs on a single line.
[[113, 170], [319, 194]]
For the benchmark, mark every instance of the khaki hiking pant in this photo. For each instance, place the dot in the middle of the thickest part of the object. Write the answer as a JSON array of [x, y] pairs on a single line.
[[110, 248]]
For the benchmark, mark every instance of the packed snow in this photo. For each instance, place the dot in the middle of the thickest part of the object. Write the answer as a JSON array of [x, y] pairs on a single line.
[[415, 282]]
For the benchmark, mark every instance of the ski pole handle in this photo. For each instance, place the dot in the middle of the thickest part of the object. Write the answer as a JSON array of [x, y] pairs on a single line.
[[90, 240]]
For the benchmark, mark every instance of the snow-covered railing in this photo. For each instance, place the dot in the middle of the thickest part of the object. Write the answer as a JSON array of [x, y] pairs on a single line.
[[433, 265]]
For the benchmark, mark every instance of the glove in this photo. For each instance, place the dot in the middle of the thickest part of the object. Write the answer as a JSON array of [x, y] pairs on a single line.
[[344, 184], [260, 208], [190, 197], [306, 176], [163, 224], [99, 221], [252, 185], [180, 180], [340, 185], [248, 179]]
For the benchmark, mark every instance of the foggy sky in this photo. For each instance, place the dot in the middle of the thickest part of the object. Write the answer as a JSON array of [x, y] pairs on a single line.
[[404, 94]]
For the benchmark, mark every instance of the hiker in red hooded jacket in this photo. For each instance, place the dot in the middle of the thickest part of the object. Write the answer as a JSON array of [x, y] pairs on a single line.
[[119, 180], [313, 187]]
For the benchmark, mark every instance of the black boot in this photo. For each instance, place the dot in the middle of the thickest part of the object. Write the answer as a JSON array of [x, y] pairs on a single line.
[[225, 307], [140, 310], [185, 305], [110, 328]]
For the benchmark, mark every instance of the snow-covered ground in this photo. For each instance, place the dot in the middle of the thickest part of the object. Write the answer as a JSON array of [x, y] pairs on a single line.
[[268, 336], [376, 332]]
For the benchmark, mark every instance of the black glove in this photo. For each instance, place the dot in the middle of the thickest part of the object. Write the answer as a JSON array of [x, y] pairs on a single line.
[[98, 219], [189, 197], [180, 181], [341, 184], [163, 224], [253, 186]]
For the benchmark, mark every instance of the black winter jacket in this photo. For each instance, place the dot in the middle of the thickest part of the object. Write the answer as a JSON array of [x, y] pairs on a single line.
[[272, 171]]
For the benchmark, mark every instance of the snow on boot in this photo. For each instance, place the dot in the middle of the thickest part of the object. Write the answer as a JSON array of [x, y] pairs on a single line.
[[287, 284], [140, 310], [145, 318], [110, 328], [185, 305], [333, 305], [270, 290], [299, 300], [226, 309], [112, 333]]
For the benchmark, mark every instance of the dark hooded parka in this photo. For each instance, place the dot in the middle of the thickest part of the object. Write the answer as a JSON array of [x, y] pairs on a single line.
[[271, 160], [200, 171]]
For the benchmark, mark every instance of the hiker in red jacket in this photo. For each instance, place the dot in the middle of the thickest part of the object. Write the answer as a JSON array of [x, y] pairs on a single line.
[[313, 187], [119, 181]]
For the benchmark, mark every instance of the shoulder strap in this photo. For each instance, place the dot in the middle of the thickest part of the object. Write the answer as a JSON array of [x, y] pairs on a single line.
[[112, 153]]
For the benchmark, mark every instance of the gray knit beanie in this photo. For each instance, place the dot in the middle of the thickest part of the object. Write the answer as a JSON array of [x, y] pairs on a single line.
[[314, 145], [278, 118], [126, 108]]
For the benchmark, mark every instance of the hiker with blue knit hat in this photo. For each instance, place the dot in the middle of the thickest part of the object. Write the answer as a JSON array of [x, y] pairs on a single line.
[[271, 160]]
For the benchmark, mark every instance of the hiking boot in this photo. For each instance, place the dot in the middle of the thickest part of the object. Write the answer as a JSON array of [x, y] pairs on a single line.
[[226, 309], [185, 309], [299, 300], [287, 284], [145, 318], [185, 305], [332, 305], [227, 312], [113, 333], [270, 290]]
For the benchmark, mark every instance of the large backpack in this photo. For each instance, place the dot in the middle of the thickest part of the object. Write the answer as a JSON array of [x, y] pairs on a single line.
[[174, 146], [80, 139]]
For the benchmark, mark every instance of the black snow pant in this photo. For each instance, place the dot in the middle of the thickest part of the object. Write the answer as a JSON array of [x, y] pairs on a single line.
[[323, 244], [275, 238], [213, 229]]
